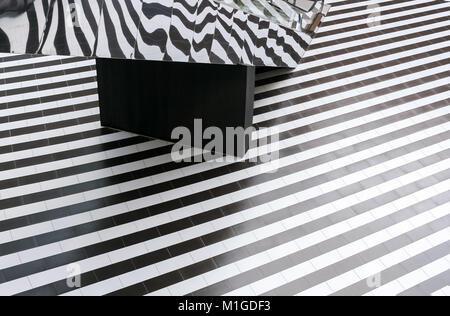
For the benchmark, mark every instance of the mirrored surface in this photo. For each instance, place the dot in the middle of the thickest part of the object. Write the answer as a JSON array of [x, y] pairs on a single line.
[[247, 32]]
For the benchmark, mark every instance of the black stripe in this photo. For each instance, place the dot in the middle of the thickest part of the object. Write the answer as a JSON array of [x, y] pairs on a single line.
[[433, 284], [47, 238], [408, 26], [25, 162], [382, 13], [46, 75], [384, 22], [50, 98], [228, 257], [404, 267], [51, 86], [361, 8], [368, 95], [347, 62], [354, 261]]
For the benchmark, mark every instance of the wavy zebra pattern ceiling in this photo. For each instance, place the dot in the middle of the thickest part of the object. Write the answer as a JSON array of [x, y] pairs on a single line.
[[202, 31]]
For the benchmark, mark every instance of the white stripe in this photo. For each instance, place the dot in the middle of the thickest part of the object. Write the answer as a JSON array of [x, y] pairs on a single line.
[[234, 269], [308, 120], [40, 94], [111, 211], [58, 148], [442, 292], [383, 36], [372, 50], [50, 184], [35, 71], [337, 70], [332, 59], [261, 286], [48, 105], [383, 18], [44, 227], [357, 106], [428, 18], [368, 88], [168, 195], [392, 5], [49, 119], [30, 61], [84, 159]]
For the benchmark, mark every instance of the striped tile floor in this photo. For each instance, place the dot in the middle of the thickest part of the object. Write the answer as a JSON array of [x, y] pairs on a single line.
[[359, 206]]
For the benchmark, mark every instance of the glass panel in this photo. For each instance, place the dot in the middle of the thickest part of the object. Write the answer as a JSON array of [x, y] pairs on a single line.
[[296, 14], [14, 5]]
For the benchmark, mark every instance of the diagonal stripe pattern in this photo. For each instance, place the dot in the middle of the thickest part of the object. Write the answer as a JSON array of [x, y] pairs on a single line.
[[360, 204]]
